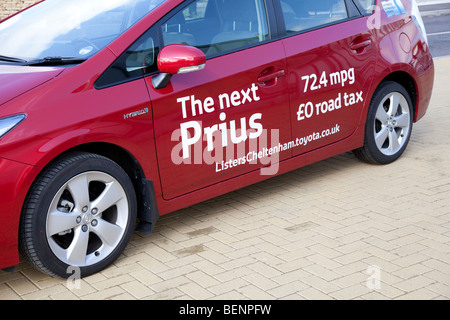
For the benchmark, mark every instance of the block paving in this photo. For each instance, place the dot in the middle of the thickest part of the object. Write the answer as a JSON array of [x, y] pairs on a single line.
[[338, 229]]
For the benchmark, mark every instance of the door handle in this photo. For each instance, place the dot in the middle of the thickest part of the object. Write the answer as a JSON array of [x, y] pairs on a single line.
[[271, 77], [359, 47]]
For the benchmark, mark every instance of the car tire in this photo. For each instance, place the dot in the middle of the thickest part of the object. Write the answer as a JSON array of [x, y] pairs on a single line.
[[388, 126], [78, 216]]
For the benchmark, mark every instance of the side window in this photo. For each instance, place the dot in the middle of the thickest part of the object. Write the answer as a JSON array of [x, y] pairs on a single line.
[[137, 61], [301, 15], [367, 6], [218, 26]]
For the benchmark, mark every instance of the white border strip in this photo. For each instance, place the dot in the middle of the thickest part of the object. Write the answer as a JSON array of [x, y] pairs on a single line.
[[426, 3], [438, 33]]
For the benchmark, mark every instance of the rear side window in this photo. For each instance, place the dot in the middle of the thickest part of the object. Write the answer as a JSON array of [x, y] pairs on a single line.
[[366, 6], [218, 26], [302, 15]]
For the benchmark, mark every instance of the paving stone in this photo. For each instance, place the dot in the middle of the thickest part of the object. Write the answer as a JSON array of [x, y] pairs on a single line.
[[313, 233]]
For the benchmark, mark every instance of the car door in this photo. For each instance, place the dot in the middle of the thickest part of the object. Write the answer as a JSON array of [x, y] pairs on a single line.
[[331, 55], [222, 121]]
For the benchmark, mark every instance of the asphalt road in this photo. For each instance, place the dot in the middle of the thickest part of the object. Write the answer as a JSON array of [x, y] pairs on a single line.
[[437, 23]]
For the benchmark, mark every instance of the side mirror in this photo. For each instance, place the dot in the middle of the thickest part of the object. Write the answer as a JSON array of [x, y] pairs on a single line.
[[177, 58]]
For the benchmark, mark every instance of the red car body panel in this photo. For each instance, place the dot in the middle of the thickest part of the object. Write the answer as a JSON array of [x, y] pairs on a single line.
[[214, 82], [65, 111], [328, 55], [13, 79], [414, 60], [15, 180]]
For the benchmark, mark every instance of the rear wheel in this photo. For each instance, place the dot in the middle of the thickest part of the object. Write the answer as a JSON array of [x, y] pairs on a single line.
[[389, 124], [80, 212]]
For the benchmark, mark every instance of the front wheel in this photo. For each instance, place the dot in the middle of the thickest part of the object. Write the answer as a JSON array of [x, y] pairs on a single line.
[[80, 212], [389, 124]]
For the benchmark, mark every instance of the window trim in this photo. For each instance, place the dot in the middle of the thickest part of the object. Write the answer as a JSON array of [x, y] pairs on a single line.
[[361, 9], [282, 23], [157, 42], [352, 7]]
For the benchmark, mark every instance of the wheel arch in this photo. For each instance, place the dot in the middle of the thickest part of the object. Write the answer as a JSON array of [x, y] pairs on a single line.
[[406, 81], [370, 152], [148, 212]]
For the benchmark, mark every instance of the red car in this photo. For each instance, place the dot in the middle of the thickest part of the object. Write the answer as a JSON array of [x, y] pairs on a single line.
[[114, 112]]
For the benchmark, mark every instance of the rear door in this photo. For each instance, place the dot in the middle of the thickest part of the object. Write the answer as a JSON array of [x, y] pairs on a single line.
[[331, 55], [220, 122]]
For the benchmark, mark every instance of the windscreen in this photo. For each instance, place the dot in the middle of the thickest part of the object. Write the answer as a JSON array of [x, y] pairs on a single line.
[[69, 28]]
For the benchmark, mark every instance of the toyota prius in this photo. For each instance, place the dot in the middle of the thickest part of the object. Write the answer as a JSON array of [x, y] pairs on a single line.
[[115, 112]]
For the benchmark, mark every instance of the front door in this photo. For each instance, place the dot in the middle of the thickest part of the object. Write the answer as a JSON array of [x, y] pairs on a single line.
[[221, 122]]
